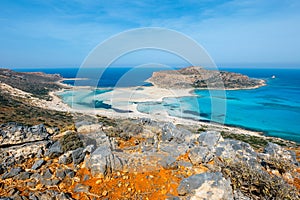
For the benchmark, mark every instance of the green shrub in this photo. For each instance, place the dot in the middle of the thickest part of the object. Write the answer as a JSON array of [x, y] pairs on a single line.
[[256, 183], [70, 141]]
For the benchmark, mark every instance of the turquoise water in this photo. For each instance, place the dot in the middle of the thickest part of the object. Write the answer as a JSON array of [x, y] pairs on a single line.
[[83, 99], [273, 109]]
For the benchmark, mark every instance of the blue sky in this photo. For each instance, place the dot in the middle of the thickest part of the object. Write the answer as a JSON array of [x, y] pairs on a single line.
[[61, 33]]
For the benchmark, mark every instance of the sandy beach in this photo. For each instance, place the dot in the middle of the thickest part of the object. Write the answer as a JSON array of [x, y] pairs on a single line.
[[124, 103]]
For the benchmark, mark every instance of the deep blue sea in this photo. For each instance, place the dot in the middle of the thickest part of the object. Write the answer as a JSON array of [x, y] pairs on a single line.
[[273, 109]]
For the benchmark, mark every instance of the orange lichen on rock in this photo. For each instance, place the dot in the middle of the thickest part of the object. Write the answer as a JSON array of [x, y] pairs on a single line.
[[158, 184], [133, 141]]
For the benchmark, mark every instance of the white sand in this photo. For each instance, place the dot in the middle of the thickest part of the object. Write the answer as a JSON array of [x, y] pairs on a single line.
[[122, 98]]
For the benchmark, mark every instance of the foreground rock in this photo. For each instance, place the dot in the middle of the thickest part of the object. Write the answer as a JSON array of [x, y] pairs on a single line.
[[198, 77], [139, 159], [15, 134], [206, 186]]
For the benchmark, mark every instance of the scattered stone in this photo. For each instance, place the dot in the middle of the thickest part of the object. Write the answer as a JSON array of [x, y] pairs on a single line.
[[36, 176], [170, 197], [278, 152], [46, 182], [174, 149], [24, 175], [206, 186], [32, 196], [82, 188], [70, 173], [106, 152], [209, 139], [40, 153], [37, 164], [47, 174], [233, 149], [55, 150], [49, 182], [184, 164], [199, 155], [14, 133], [78, 156], [60, 173], [13, 172], [104, 193], [169, 162], [66, 158], [89, 149], [86, 177], [17, 197], [171, 133], [55, 181], [32, 184], [1, 169], [238, 195], [12, 191], [102, 162], [64, 196]]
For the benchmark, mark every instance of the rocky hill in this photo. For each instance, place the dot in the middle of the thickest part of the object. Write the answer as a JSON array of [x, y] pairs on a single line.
[[198, 77], [19, 90], [37, 83]]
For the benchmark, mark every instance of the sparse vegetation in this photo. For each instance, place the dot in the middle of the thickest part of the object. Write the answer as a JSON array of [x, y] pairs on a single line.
[[125, 129], [282, 165], [257, 184], [70, 141], [38, 84], [201, 129], [106, 121], [255, 141], [14, 110]]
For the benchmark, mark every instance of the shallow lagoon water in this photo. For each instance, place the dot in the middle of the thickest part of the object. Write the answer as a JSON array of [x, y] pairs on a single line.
[[273, 109]]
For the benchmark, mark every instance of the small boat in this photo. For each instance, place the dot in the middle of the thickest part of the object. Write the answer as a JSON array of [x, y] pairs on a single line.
[[273, 76]]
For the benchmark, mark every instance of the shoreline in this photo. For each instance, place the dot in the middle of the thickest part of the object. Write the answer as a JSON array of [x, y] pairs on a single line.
[[130, 109], [134, 113], [262, 84]]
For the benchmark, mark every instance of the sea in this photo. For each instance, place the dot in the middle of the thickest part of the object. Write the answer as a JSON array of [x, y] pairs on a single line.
[[273, 109]]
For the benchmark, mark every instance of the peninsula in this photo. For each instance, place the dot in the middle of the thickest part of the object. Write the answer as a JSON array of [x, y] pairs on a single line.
[[200, 78]]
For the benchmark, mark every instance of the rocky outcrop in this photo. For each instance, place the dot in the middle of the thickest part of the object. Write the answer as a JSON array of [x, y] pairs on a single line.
[[103, 162], [206, 186], [15, 134], [198, 77], [143, 159]]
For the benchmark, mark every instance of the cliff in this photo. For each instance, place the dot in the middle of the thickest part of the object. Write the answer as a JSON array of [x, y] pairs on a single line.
[[198, 77]]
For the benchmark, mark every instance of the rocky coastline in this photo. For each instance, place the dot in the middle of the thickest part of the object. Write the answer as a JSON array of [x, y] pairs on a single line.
[[200, 78], [55, 155]]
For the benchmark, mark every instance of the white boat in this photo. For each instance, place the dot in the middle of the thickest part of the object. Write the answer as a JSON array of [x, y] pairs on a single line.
[[273, 76]]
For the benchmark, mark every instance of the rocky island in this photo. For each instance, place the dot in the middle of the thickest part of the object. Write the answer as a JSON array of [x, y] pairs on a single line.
[[200, 78], [47, 153]]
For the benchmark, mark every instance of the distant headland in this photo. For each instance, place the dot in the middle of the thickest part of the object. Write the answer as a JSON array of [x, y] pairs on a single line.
[[200, 78]]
